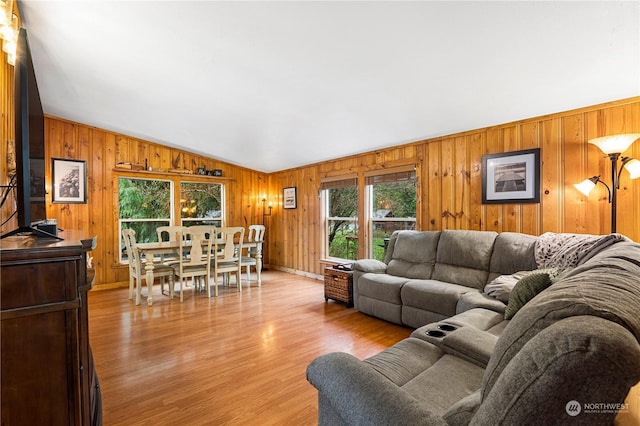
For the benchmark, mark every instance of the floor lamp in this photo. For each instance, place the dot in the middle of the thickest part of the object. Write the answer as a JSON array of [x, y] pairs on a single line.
[[613, 146]]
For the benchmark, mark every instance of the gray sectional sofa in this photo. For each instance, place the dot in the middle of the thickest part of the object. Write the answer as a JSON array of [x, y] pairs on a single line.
[[569, 355], [432, 275]]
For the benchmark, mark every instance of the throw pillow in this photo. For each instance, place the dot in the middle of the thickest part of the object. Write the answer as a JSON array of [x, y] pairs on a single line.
[[500, 288], [526, 289]]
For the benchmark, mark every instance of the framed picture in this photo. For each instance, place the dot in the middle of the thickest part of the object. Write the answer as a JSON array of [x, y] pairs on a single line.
[[289, 198], [511, 177], [69, 181]]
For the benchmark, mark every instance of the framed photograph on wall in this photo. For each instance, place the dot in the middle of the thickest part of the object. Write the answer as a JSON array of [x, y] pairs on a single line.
[[69, 181], [511, 177], [289, 198]]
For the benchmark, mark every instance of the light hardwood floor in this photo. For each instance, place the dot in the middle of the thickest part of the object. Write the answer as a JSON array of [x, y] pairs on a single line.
[[234, 359]]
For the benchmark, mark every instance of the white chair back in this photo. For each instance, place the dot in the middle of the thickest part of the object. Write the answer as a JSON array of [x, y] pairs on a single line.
[[195, 259], [129, 237], [256, 233], [172, 233], [136, 270], [228, 251]]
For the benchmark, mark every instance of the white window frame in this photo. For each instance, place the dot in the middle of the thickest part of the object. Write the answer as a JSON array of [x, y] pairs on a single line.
[[370, 220], [122, 221], [325, 218], [184, 221]]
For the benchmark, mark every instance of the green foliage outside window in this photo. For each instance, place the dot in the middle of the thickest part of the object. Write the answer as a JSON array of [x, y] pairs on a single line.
[[393, 204], [200, 200], [140, 201], [144, 199], [343, 212], [399, 198]]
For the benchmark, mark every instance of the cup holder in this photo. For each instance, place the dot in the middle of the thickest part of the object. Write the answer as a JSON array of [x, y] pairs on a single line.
[[436, 333], [447, 327]]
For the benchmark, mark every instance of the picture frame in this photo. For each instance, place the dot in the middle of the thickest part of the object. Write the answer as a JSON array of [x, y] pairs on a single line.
[[289, 198], [511, 177], [69, 181]]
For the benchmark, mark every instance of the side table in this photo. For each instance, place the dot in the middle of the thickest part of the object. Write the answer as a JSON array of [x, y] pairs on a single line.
[[338, 285]]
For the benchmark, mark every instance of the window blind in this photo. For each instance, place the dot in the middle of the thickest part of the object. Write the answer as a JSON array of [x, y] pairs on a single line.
[[397, 174], [338, 182]]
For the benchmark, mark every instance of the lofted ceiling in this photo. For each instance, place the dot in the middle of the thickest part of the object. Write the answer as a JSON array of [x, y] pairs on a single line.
[[276, 85]]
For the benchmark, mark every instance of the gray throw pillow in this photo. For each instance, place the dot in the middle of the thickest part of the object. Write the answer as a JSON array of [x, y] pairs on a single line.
[[501, 287], [526, 289]]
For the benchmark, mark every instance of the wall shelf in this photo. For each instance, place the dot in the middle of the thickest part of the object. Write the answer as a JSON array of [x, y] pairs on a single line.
[[153, 173]]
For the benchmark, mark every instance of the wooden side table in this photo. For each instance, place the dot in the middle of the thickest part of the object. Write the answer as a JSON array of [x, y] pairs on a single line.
[[338, 285]]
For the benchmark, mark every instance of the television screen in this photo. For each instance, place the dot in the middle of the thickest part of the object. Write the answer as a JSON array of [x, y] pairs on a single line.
[[36, 142], [29, 142]]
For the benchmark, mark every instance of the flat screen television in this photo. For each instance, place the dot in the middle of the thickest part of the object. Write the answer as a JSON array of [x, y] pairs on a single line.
[[29, 144]]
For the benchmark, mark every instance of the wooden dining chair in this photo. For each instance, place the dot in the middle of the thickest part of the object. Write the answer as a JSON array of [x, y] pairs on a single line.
[[227, 247], [137, 270], [169, 233], [256, 233], [195, 261]]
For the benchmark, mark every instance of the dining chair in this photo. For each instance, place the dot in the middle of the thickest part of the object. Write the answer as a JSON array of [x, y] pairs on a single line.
[[169, 233], [227, 247], [137, 270], [195, 259], [256, 233]]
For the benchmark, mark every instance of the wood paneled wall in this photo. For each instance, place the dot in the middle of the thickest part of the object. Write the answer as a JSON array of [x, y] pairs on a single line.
[[101, 150], [449, 171]]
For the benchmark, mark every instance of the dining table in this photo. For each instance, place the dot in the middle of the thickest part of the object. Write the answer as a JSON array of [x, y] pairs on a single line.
[[149, 250]]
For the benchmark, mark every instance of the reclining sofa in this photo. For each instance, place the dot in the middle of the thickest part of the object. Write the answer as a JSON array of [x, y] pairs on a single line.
[[432, 275], [568, 354]]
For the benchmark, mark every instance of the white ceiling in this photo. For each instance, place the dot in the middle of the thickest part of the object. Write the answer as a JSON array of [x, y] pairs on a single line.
[[276, 85]]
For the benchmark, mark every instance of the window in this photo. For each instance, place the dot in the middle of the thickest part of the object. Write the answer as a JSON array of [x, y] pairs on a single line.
[[201, 203], [340, 202], [143, 205], [391, 200]]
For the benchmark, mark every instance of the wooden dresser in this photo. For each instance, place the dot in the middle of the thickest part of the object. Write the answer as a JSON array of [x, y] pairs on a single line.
[[47, 373]]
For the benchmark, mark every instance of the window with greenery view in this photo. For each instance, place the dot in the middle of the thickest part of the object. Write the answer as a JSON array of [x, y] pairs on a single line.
[[341, 204], [201, 203], [392, 207], [143, 205]]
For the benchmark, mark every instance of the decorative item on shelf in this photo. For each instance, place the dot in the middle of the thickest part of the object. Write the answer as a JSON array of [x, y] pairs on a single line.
[[289, 198], [264, 213], [138, 167], [123, 165], [613, 146], [201, 170], [217, 172]]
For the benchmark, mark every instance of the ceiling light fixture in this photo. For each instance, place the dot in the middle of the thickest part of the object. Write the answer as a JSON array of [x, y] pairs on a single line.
[[613, 146]]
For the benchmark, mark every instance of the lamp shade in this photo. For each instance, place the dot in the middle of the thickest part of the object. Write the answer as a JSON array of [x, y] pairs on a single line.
[[615, 144], [633, 167], [587, 185]]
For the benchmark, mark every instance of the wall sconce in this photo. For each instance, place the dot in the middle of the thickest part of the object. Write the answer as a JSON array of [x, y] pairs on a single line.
[[264, 214], [9, 30], [613, 146]]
